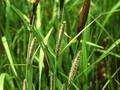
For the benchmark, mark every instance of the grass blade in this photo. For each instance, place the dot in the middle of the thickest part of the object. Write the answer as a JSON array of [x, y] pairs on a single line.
[[5, 44], [4, 78]]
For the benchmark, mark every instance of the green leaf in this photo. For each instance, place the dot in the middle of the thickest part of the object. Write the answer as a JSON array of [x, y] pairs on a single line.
[[5, 77], [5, 44]]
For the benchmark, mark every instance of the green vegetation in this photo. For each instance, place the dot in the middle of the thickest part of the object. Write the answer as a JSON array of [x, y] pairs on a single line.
[[43, 46]]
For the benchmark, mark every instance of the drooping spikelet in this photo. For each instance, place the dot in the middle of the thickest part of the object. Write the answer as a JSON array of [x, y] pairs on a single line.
[[60, 36], [74, 68]]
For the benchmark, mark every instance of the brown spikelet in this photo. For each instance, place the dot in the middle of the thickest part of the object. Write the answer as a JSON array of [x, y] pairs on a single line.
[[84, 15], [35, 4]]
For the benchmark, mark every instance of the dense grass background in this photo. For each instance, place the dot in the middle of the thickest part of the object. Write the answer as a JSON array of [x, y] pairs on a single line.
[[28, 60]]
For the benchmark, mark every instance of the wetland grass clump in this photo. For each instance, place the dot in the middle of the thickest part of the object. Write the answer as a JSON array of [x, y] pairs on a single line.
[[59, 45]]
